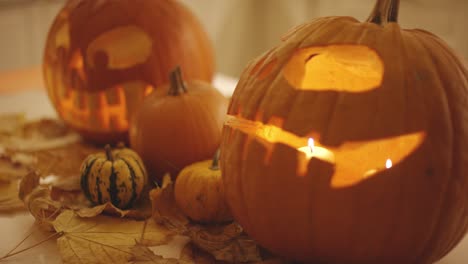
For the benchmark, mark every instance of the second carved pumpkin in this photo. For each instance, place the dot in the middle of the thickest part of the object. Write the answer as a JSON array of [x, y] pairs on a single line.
[[103, 57], [347, 143]]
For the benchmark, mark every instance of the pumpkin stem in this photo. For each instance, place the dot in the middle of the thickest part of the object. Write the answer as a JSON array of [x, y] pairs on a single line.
[[385, 11], [177, 83], [109, 153], [215, 162]]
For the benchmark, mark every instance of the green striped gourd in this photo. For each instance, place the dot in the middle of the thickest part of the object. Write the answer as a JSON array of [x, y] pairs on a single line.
[[117, 176]]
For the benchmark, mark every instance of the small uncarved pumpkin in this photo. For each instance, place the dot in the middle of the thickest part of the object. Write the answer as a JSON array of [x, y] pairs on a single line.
[[199, 192], [117, 176], [178, 125]]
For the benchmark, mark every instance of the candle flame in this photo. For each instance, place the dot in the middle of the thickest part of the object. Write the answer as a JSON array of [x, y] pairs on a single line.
[[311, 144], [388, 163]]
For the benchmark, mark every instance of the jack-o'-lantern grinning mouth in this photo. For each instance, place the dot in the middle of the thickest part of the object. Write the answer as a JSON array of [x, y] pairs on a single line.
[[354, 161], [104, 110]]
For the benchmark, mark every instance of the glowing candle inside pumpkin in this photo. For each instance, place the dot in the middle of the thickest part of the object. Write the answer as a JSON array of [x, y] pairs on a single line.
[[312, 151], [311, 144]]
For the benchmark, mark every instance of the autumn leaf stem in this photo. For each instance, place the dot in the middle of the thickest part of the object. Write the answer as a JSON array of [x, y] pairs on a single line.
[[19, 244], [10, 254], [99, 243], [143, 231]]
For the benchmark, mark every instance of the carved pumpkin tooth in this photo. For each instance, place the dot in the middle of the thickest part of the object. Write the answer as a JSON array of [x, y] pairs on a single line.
[[113, 96], [99, 114], [134, 92], [79, 100]]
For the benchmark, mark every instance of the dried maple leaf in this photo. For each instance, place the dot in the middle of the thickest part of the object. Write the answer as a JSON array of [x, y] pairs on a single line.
[[42, 207], [37, 199], [22, 146], [11, 123], [104, 239], [191, 253], [45, 128], [165, 210], [10, 177], [226, 243], [40, 135], [9, 200], [143, 255], [28, 183], [64, 163], [23, 159], [223, 242], [10, 170], [45, 201], [139, 213]]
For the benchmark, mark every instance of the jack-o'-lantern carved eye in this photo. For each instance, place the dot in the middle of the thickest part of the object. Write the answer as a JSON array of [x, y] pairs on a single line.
[[119, 48], [347, 68]]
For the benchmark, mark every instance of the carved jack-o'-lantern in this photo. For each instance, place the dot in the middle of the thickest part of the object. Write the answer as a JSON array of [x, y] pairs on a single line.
[[102, 57], [348, 143]]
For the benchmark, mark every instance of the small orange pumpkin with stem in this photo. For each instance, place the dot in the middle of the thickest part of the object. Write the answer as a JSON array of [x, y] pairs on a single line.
[[177, 125], [199, 192]]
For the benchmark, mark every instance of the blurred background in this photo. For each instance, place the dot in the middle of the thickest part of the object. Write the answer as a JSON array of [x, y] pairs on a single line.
[[239, 29]]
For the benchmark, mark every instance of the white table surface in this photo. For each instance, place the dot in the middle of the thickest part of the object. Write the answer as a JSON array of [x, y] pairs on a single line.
[[15, 227]]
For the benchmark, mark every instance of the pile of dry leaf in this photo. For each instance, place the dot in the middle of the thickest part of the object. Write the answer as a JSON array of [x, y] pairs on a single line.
[[39, 172]]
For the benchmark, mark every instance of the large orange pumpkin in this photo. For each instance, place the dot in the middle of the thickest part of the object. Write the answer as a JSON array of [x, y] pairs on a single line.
[[348, 143], [102, 58]]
